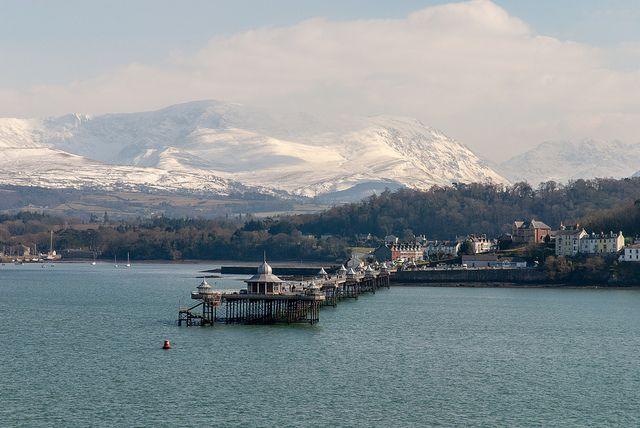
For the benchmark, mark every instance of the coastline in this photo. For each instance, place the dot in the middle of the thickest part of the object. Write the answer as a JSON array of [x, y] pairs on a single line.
[[283, 263], [514, 285]]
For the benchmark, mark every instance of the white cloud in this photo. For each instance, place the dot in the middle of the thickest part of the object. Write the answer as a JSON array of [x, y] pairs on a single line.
[[470, 68]]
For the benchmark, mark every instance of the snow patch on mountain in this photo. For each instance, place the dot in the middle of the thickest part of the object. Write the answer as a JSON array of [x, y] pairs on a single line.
[[214, 145], [562, 161]]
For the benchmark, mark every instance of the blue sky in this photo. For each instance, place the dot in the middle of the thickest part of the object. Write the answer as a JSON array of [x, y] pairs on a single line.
[[44, 41]]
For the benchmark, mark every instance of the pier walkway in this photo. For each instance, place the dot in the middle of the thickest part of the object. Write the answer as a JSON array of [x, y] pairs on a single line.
[[270, 300]]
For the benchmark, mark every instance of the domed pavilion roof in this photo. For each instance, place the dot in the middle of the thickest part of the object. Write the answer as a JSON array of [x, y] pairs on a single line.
[[264, 274]]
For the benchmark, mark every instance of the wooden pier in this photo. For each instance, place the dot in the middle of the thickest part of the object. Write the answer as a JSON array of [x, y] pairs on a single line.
[[270, 300]]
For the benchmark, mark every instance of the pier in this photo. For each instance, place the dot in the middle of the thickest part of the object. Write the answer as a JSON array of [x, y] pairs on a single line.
[[268, 299]]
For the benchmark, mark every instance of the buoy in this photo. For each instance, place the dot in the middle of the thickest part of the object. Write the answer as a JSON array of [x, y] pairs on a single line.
[[166, 345]]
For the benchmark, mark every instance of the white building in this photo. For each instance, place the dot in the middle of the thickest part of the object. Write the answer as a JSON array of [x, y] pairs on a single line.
[[481, 244], [441, 249], [589, 244], [631, 253], [568, 241], [603, 243]]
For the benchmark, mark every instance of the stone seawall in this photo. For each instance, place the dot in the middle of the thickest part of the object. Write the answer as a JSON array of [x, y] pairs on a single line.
[[283, 270], [513, 276]]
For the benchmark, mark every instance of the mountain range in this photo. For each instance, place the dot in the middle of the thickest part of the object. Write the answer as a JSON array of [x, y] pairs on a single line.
[[562, 161], [226, 149], [223, 148]]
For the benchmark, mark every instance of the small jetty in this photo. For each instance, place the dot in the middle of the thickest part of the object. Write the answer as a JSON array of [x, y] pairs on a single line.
[[268, 299]]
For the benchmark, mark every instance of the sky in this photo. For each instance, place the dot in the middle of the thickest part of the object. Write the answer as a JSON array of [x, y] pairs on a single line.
[[499, 76]]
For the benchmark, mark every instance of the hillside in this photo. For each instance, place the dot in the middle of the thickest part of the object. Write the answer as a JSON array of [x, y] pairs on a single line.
[[447, 212], [440, 213], [624, 217]]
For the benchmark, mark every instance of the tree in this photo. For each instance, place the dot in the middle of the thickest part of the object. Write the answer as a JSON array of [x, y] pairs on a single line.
[[466, 248]]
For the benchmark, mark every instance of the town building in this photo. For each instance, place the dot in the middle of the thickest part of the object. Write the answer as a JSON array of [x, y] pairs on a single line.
[[441, 249], [529, 232], [391, 239], [631, 253], [481, 244], [511, 262], [399, 251], [604, 243], [568, 241], [492, 261], [479, 260], [355, 262]]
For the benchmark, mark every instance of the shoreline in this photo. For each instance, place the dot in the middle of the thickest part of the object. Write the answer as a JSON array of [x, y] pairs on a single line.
[[285, 263], [513, 285]]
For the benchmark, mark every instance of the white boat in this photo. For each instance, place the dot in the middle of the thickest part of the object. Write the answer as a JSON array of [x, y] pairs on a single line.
[[115, 261], [128, 261]]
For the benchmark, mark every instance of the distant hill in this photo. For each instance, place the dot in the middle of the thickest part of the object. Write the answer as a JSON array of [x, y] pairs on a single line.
[[562, 161]]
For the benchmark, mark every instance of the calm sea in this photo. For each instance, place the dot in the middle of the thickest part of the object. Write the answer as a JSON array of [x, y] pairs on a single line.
[[80, 346]]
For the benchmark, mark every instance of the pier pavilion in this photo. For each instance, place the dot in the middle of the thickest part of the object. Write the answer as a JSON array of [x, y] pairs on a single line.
[[264, 281]]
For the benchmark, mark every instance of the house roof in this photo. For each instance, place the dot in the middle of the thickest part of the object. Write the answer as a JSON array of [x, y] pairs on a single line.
[[443, 243], [480, 257], [570, 232], [530, 224]]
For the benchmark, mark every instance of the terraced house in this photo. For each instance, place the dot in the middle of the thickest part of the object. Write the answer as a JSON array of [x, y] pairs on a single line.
[[631, 253], [603, 243], [570, 242]]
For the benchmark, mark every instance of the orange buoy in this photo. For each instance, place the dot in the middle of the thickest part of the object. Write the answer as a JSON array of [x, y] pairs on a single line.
[[166, 345]]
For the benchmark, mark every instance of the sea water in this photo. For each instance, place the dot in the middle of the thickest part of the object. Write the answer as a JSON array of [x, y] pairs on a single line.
[[80, 345]]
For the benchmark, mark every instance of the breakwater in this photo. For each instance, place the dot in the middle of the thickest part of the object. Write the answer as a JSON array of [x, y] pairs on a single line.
[[283, 270], [513, 276]]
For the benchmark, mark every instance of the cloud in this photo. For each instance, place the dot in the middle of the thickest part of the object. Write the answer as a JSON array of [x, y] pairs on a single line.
[[470, 68]]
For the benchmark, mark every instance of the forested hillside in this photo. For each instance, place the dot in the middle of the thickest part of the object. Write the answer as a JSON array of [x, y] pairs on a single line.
[[625, 217], [445, 212], [440, 213], [169, 239]]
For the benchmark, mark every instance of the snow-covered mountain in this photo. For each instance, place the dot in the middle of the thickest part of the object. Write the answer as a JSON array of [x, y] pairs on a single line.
[[563, 160], [222, 147]]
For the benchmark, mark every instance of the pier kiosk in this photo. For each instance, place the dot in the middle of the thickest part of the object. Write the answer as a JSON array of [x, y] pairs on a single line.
[[265, 301], [264, 281], [209, 299]]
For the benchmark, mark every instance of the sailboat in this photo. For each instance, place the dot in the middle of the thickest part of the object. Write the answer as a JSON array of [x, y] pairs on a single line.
[[128, 261], [52, 254], [93, 263], [115, 261]]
